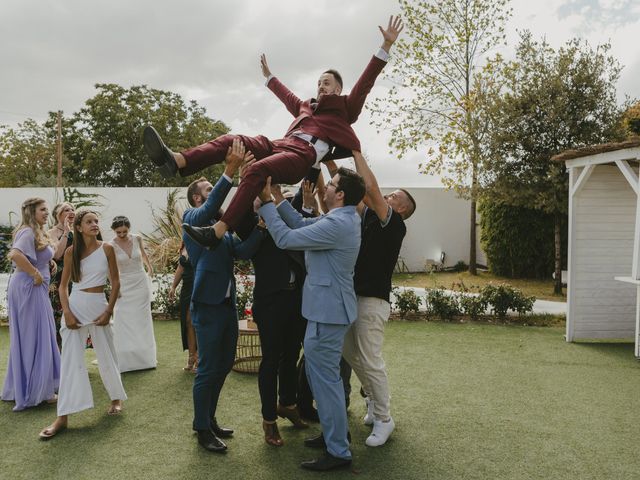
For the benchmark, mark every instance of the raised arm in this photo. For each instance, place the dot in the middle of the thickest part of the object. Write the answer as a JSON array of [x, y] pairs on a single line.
[[391, 33], [359, 92], [373, 197], [286, 96], [236, 156]]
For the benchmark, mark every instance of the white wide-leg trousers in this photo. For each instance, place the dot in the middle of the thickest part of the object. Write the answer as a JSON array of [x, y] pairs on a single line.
[[75, 392]]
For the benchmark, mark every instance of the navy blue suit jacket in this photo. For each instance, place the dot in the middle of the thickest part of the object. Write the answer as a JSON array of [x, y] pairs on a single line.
[[213, 269]]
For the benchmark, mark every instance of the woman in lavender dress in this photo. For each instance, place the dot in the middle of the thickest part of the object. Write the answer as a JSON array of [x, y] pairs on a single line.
[[33, 373]]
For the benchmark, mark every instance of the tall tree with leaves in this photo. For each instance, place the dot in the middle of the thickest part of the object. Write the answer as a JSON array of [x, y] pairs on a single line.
[[433, 102], [102, 142], [27, 155], [552, 100]]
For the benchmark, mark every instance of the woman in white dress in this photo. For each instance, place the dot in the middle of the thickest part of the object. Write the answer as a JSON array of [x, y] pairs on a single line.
[[132, 323]]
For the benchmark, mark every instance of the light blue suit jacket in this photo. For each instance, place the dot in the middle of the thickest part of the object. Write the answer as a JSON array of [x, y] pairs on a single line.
[[213, 269], [331, 244]]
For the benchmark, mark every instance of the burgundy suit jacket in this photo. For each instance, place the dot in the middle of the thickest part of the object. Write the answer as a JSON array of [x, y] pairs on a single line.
[[332, 118]]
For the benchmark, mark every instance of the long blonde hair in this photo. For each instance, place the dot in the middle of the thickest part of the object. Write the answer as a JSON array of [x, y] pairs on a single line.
[[28, 220]]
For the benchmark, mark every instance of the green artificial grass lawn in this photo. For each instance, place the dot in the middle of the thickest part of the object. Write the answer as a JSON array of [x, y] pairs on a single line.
[[470, 401]]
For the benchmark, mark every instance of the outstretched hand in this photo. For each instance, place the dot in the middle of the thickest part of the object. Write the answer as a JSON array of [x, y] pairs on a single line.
[[265, 194], [390, 35], [264, 66], [235, 157]]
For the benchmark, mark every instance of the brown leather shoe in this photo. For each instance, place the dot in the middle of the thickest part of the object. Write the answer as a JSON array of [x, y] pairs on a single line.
[[271, 434], [293, 415]]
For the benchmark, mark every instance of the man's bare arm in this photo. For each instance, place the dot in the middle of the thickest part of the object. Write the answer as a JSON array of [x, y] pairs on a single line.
[[373, 197]]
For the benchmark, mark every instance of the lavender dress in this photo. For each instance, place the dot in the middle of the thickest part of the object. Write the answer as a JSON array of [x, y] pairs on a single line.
[[33, 373]]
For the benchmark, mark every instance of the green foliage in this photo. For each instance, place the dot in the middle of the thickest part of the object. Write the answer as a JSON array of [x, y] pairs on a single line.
[[631, 119], [27, 155], [162, 302], [437, 98], [406, 301], [472, 305], [502, 298], [442, 304], [518, 241], [460, 266], [102, 142], [548, 101], [551, 101], [6, 233]]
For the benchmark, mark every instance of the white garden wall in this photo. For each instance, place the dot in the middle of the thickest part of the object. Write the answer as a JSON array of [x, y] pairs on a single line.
[[441, 222]]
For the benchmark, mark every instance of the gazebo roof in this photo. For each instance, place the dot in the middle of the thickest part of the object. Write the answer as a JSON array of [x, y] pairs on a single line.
[[596, 149]]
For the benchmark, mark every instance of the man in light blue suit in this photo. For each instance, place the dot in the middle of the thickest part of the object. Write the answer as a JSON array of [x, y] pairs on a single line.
[[331, 244], [213, 302]]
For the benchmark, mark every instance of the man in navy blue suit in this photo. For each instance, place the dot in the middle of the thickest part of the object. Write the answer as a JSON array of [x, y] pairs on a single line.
[[213, 302]]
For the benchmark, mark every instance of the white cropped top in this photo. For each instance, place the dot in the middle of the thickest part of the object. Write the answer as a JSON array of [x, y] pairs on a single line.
[[93, 269]]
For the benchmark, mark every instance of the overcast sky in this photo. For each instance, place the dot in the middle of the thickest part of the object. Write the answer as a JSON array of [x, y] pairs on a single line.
[[53, 52]]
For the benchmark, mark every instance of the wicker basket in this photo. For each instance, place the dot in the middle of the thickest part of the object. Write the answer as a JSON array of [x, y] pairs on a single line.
[[248, 351]]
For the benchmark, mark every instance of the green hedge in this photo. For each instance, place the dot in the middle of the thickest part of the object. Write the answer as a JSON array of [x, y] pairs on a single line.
[[519, 242], [5, 244]]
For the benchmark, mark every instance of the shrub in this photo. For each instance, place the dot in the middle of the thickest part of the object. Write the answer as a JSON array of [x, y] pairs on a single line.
[[460, 266], [162, 303], [472, 305], [502, 298], [441, 304], [5, 246], [406, 301], [519, 242]]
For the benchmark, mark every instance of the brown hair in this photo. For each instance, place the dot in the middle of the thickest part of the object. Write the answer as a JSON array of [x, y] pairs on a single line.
[[193, 189], [79, 247], [412, 207]]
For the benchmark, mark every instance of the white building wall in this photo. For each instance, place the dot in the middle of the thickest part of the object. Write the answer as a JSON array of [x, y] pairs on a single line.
[[604, 213], [441, 221]]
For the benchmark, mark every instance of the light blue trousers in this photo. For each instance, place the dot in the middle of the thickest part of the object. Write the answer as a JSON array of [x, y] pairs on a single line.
[[323, 350]]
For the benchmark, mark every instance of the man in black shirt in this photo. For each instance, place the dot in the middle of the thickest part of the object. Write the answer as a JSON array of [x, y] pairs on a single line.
[[383, 230]]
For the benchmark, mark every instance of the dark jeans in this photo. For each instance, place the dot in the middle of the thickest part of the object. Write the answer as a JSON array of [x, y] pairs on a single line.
[[216, 329], [281, 328]]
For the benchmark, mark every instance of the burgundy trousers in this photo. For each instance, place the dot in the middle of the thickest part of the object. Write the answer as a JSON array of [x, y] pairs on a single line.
[[285, 161]]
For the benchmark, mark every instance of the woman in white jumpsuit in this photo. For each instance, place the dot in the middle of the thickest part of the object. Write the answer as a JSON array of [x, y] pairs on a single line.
[[87, 263]]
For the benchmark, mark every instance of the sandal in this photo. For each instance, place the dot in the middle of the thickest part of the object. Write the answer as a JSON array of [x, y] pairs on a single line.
[[114, 409], [271, 434], [51, 432], [192, 364], [52, 400]]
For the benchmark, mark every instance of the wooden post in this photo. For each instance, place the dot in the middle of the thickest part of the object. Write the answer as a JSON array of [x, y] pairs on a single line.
[[59, 150]]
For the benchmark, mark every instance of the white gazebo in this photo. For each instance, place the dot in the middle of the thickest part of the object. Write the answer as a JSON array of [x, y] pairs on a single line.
[[603, 295]]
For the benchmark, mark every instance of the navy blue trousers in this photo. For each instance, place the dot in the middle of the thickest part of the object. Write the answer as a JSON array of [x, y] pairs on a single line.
[[216, 329]]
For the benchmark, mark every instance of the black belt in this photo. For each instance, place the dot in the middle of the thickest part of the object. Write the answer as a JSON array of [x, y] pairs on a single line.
[[313, 140]]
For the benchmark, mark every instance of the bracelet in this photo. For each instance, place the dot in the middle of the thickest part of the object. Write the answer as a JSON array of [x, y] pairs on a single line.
[[268, 201]]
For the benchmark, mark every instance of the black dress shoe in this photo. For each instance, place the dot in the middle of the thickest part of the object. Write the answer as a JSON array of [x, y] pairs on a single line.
[[318, 441], [208, 440], [220, 431], [203, 236], [326, 462], [160, 155]]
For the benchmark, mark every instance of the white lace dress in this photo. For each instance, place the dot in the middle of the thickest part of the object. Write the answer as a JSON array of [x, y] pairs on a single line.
[[132, 324]]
